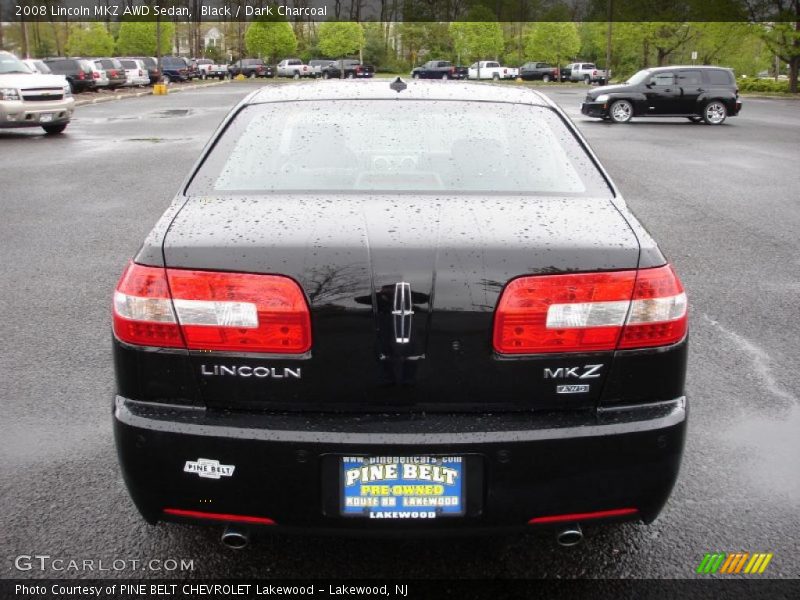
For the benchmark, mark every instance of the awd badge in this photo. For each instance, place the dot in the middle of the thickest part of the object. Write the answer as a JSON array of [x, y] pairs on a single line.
[[209, 468]]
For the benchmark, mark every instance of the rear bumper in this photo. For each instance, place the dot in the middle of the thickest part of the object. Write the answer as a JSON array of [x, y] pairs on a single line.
[[523, 466]]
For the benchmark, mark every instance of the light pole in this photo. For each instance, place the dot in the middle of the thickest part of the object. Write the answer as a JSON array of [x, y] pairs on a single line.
[[608, 40]]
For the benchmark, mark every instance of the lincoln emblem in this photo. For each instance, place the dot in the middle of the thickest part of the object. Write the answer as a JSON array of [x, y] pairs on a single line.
[[403, 310]]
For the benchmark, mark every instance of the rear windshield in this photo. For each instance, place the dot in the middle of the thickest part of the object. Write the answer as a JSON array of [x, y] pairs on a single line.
[[129, 64], [391, 146]]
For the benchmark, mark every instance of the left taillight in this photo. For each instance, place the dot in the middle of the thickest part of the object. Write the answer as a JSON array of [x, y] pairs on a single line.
[[209, 310], [591, 312]]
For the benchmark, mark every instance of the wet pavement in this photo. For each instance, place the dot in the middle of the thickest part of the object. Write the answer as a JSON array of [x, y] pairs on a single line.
[[722, 202]]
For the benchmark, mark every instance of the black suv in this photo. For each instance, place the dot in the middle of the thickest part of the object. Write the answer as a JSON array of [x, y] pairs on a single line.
[[78, 72], [174, 68], [702, 93]]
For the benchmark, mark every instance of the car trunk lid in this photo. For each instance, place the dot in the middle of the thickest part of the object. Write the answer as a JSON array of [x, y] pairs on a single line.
[[402, 292]]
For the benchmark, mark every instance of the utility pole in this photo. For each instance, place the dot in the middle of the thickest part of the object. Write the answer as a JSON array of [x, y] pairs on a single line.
[[610, 16], [158, 43], [24, 30]]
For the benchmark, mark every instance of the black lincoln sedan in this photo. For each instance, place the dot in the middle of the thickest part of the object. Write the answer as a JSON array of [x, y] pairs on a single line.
[[707, 94], [417, 304]]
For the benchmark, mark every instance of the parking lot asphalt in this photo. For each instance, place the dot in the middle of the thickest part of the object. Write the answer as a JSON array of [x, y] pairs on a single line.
[[722, 202]]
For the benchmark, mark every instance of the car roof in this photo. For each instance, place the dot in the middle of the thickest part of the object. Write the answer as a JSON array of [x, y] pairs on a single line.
[[666, 68], [380, 90]]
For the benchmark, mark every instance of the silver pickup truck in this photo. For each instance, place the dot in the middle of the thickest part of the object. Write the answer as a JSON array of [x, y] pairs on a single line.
[[294, 67], [586, 72]]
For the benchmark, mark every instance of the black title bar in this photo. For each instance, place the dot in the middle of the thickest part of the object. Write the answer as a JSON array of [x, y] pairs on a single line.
[[400, 10]]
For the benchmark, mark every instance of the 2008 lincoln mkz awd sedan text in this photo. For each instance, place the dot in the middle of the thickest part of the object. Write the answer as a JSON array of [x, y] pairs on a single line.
[[380, 306]]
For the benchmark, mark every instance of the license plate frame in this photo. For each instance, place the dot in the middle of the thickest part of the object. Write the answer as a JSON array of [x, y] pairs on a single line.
[[430, 487], [46, 117]]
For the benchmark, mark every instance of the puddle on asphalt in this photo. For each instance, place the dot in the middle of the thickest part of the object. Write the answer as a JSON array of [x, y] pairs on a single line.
[[172, 112], [157, 140], [769, 448], [169, 113]]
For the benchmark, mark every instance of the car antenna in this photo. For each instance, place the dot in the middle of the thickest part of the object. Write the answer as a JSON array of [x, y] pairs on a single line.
[[398, 85]]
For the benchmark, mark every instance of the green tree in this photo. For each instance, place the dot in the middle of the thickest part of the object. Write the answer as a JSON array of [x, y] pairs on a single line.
[[783, 38], [479, 37], [714, 42], [138, 38], [552, 42], [270, 38], [90, 41], [339, 38]]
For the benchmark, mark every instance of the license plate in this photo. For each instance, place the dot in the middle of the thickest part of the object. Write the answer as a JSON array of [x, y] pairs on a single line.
[[45, 117], [404, 487]]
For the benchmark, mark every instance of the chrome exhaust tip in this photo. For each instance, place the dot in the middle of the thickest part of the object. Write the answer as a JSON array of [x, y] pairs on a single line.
[[570, 536], [234, 538]]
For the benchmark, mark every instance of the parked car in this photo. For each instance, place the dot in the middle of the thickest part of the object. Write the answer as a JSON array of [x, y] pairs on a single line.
[[399, 368], [490, 69], [347, 69], [586, 72], [135, 71], [174, 68], [153, 72], [700, 93], [318, 64], [251, 67], [209, 69], [78, 72], [293, 67], [194, 69], [538, 71], [31, 99], [115, 72], [98, 74], [203, 66], [439, 69], [37, 66], [218, 70]]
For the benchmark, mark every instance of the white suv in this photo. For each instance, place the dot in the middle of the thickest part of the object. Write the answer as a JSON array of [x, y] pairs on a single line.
[[30, 99]]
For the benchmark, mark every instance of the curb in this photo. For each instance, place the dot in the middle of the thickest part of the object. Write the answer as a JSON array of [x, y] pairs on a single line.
[[149, 92], [770, 97]]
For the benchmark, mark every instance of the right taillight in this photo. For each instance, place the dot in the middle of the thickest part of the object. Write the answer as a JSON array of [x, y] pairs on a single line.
[[210, 310], [658, 315], [590, 312]]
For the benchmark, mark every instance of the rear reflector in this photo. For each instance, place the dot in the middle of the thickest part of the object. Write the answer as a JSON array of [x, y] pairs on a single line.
[[589, 312], [196, 514], [600, 514], [205, 310]]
